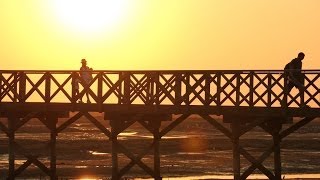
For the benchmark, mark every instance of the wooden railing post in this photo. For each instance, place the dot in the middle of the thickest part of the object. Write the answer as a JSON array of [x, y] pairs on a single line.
[[251, 89], [47, 87], [269, 90], [22, 86], [284, 102], [207, 89], [126, 87], [73, 90], [15, 86], [177, 89], [219, 90], [100, 76], [238, 86]]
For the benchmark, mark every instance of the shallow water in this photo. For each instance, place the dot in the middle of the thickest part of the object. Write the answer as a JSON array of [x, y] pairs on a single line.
[[203, 148]]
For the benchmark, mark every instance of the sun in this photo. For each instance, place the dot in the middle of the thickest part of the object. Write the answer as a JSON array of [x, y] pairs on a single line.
[[91, 15]]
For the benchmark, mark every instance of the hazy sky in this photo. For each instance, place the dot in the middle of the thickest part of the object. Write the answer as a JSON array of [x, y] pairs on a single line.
[[158, 34]]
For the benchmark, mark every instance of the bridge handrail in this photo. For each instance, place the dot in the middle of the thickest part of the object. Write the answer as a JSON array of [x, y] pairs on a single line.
[[156, 87]]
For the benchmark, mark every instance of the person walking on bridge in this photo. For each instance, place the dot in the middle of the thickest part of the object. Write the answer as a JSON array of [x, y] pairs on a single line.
[[294, 78], [86, 74]]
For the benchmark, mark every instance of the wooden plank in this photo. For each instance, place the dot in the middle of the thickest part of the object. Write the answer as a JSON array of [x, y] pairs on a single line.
[[295, 127], [69, 122], [260, 160], [101, 127], [126, 168], [136, 160], [25, 119], [21, 168], [60, 88], [217, 125], [32, 158], [164, 109], [252, 125], [4, 128], [173, 124], [257, 163]]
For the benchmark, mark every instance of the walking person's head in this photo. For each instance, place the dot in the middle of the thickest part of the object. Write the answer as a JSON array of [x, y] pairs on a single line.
[[301, 56], [84, 62]]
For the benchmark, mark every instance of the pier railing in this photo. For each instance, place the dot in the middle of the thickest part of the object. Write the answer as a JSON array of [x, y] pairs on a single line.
[[249, 88]]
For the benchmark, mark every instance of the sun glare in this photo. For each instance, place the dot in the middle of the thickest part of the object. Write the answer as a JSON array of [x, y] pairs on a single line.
[[91, 15]]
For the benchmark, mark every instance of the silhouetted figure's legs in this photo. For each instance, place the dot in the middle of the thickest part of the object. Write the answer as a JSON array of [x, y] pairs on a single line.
[[88, 99], [299, 85]]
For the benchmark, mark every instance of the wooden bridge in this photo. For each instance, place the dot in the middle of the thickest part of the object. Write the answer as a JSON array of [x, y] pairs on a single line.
[[246, 99]]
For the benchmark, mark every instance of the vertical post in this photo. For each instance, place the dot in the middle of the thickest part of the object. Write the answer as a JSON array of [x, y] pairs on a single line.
[[301, 92], [156, 157], [269, 89], [188, 90], [275, 128], [11, 127], [15, 87], [52, 121], [127, 88], [238, 85], [1, 86], [218, 93], [251, 104], [100, 76], [235, 127], [114, 133], [284, 102], [22, 87], [207, 88], [74, 99], [157, 86], [177, 89], [47, 87]]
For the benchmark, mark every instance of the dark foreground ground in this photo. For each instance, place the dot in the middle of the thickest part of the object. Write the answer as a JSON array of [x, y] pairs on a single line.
[[194, 148]]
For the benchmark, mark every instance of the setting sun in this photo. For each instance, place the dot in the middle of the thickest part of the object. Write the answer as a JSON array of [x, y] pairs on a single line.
[[90, 16]]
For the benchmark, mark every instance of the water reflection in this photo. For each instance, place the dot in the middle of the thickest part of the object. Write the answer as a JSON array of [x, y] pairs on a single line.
[[254, 176]]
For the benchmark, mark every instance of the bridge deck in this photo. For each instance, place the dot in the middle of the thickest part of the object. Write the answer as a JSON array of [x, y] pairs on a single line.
[[6, 108]]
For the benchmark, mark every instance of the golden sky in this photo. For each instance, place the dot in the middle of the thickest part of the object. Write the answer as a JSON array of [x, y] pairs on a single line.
[[158, 34]]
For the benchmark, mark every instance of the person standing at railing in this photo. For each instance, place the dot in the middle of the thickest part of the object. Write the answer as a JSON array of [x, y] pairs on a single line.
[[294, 77], [75, 84], [86, 74]]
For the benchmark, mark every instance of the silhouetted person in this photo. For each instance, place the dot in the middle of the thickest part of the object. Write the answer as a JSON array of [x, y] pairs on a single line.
[[294, 77], [75, 84], [86, 74]]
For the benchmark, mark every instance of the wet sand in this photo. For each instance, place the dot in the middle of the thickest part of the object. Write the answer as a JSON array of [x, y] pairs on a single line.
[[194, 148]]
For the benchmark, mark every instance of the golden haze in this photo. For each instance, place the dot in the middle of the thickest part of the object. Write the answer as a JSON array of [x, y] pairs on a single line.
[[166, 34]]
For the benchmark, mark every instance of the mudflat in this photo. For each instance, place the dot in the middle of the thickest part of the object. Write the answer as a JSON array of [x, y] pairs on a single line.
[[192, 149]]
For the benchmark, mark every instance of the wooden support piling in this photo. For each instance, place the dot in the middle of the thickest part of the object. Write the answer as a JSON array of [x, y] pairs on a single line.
[[11, 127], [235, 127], [114, 147], [275, 127], [156, 156], [52, 122]]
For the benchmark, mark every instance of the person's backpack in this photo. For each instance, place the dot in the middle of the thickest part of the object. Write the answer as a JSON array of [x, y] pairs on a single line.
[[287, 66]]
